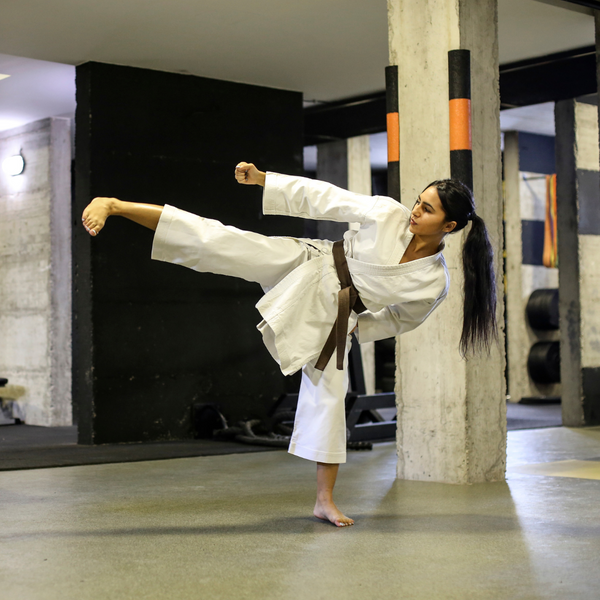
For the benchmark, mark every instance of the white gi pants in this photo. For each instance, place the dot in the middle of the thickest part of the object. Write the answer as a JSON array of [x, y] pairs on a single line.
[[207, 245]]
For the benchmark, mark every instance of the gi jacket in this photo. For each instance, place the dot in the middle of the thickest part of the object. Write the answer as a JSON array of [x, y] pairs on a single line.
[[300, 310]]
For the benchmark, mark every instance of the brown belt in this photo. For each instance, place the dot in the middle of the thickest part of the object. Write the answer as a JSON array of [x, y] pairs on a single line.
[[348, 300]]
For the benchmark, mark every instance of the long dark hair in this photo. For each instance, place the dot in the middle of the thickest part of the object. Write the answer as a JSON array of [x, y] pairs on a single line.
[[479, 309]]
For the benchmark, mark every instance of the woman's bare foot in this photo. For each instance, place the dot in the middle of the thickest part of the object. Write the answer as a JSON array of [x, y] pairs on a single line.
[[328, 511], [95, 214], [325, 508]]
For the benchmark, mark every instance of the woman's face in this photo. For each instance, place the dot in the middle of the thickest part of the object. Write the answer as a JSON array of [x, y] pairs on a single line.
[[428, 216]]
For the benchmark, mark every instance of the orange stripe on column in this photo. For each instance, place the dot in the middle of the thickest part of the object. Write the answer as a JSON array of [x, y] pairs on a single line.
[[393, 137], [460, 124]]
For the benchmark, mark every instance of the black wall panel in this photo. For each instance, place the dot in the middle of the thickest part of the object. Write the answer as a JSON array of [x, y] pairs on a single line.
[[532, 238], [151, 338], [588, 192], [537, 153]]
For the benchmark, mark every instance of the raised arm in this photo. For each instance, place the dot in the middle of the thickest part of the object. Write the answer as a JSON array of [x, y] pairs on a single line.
[[304, 197]]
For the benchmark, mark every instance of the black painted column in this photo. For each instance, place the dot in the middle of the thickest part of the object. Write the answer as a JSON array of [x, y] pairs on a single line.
[[152, 338], [332, 166]]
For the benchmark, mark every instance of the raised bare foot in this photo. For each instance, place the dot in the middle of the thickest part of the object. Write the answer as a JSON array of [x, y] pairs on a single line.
[[95, 214], [328, 511]]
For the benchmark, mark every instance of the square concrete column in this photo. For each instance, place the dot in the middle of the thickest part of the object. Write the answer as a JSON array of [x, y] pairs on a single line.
[[578, 208], [527, 161], [451, 412]]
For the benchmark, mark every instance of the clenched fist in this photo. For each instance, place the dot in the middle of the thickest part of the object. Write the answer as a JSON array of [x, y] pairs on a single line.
[[248, 174]]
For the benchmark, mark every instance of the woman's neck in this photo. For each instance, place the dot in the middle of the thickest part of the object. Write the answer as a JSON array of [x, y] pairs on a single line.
[[425, 245]]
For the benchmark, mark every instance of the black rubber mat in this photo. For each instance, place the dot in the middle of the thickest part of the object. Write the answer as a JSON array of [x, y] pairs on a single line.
[[29, 447], [532, 416]]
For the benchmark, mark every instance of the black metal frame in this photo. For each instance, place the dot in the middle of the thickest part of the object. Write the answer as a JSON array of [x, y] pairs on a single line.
[[548, 78]]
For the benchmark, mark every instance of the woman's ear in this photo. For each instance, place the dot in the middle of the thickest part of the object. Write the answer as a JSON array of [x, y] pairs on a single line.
[[449, 226]]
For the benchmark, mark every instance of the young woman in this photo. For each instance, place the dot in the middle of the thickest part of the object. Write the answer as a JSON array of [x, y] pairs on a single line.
[[391, 271]]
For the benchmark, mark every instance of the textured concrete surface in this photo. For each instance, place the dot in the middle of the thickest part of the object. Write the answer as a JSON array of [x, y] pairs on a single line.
[[35, 271], [241, 527], [524, 198], [588, 158], [451, 414], [579, 285]]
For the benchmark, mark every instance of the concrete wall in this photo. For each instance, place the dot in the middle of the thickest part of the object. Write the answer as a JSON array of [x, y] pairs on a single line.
[[528, 159], [35, 271]]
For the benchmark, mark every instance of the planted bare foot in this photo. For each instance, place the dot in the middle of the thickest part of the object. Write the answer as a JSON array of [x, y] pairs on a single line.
[[95, 214], [326, 510]]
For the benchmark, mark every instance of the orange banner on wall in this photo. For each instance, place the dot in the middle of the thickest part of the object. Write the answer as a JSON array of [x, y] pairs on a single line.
[[550, 229]]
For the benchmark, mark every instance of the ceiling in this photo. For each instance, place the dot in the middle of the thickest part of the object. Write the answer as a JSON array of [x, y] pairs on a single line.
[[328, 49]]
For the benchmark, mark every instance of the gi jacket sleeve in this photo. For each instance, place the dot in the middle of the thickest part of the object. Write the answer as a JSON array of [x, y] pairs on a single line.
[[394, 319], [312, 199]]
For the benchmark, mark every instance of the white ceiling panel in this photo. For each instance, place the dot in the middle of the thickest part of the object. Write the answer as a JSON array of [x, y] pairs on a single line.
[[328, 49]]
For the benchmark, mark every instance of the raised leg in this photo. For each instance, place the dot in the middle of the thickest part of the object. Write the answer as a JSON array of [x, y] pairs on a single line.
[[205, 245], [325, 507]]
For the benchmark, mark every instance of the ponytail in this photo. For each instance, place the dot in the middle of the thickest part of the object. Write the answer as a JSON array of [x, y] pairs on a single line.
[[479, 312]]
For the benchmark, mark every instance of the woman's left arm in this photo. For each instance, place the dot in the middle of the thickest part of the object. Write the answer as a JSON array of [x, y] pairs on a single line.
[[305, 197], [313, 199], [394, 320]]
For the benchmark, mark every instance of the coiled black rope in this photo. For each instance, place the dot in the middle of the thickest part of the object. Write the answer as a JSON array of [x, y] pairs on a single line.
[[244, 433]]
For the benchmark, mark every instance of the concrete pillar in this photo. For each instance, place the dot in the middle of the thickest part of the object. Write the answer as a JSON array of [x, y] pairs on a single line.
[[578, 207], [524, 212], [35, 271], [451, 413]]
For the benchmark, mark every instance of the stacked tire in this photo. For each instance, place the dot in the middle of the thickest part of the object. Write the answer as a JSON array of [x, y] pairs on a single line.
[[543, 363]]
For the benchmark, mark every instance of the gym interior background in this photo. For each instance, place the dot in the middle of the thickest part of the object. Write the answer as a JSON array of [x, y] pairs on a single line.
[[108, 357]]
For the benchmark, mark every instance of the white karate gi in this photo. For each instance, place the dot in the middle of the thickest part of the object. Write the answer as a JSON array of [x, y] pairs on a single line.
[[301, 285]]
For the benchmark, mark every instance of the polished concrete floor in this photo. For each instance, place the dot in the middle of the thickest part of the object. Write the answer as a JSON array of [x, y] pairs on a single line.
[[240, 526]]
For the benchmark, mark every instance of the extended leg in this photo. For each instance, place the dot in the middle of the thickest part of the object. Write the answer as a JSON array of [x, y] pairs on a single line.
[[325, 508], [203, 244]]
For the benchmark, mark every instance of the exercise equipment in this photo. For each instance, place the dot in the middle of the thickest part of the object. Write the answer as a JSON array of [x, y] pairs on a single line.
[[542, 309], [543, 363], [364, 422]]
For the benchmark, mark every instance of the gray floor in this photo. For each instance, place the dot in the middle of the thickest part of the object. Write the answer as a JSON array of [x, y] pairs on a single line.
[[240, 526]]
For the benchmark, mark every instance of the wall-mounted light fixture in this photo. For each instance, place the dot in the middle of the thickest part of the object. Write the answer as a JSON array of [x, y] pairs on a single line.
[[14, 165]]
